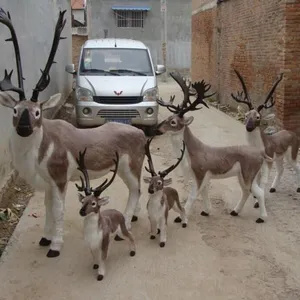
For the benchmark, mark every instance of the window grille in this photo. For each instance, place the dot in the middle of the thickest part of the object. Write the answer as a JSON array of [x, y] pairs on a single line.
[[129, 18]]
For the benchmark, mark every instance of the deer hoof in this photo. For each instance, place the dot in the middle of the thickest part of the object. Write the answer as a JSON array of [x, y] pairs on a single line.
[[134, 218], [184, 225], [158, 231], [117, 238], [152, 237], [259, 220], [162, 244], [53, 253], [44, 242], [272, 190], [177, 220], [298, 190], [234, 213], [100, 277], [256, 205], [95, 266], [132, 253], [205, 214]]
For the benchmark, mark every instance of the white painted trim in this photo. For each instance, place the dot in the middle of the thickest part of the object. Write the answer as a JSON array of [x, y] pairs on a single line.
[[205, 7]]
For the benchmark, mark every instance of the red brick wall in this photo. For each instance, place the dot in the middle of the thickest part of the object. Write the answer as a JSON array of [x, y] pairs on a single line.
[[260, 39]]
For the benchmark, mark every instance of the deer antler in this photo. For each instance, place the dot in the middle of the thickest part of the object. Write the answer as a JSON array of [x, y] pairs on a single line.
[[45, 78], [148, 154], [240, 97], [5, 84], [103, 186], [85, 184], [170, 169], [269, 102], [201, 88], [169, 105]]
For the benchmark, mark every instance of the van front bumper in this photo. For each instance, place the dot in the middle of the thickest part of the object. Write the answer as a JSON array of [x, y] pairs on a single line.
[[89, 114]]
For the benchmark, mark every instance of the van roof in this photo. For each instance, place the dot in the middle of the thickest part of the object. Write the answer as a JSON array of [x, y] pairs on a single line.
[[110, 43]]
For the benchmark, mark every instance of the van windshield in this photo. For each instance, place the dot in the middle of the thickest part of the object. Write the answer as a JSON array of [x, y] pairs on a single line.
[[115, 62]]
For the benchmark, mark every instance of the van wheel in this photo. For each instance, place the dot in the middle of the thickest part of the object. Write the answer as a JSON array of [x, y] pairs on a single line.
[[151, 131]]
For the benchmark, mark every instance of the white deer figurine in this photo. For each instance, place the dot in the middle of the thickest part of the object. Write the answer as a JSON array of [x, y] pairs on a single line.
[[44, 151], [283, 143], [100, 226], [204, 162], [161, 197]]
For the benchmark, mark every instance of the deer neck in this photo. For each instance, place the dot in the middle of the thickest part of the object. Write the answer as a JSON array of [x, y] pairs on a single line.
[[91, 224], [256, 138]]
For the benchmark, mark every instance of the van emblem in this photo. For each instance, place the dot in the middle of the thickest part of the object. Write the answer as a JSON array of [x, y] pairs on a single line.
[[118, 94]]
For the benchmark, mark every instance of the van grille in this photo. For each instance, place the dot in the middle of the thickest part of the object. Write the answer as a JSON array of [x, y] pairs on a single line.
[[117, 100], [118, 114]]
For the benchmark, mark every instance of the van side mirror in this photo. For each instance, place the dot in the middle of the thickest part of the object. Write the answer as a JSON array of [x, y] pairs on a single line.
[[160, 69], [70, 69]]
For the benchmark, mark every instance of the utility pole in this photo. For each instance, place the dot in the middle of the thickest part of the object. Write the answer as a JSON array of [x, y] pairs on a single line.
[[164, 36]]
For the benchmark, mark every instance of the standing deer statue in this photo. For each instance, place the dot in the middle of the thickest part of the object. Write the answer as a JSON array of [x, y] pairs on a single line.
[[283, 143], [161, 197], [44, 151], [99, 225], [204, 162]]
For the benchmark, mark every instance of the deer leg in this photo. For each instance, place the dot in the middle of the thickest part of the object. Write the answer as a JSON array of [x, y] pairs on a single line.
[[296, 167], [163, 231], [263, 179], [128, 236], [279, 172], [102, 256], [95, 258], [207, 204], [58, 207], [46, 239], [238, 208], [260, 195], [153, 227], [191, 199]]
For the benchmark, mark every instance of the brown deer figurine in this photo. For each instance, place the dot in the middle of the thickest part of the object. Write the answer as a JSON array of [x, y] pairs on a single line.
[[99, 225], [161, 197]]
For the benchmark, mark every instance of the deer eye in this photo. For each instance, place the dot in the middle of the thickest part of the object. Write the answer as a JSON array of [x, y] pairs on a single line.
[[159, 182], [37, 113], [173, 122], [258, 117], [94, 203], [15, 112]]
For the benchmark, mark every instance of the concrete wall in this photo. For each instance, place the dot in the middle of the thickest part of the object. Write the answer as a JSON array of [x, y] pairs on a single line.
[[259, 38], [34, 22], [101, 17], [78, 15]]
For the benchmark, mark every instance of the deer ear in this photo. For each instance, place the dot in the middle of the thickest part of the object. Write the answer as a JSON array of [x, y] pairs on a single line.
[[51, 102], [269, 117], [188, 121], [147, 179], [80, 198], [103, 201], [167, 181], [7, 100]]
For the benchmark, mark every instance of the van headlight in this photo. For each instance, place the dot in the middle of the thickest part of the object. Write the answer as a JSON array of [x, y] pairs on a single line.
[[83, 94], [151, 94]]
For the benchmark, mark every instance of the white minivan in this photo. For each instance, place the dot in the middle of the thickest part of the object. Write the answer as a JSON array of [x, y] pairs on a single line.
[[116, 81]]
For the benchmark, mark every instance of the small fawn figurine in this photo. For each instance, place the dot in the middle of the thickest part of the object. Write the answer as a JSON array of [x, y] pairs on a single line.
[[162, 198], [100, 226]]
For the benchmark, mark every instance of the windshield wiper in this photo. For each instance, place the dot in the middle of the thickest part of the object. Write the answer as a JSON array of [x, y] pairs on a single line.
[[101, 70], [130, 71]]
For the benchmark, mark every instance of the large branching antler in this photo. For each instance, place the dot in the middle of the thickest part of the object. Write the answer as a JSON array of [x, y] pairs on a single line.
[[242, 97], [85, 183], [45, 78], [171, 168], [201, 88], [103, 186], [6, 84], [148, 154], [169, 105], [269, 102]]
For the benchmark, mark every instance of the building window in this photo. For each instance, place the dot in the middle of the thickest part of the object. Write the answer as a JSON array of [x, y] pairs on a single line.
[[129, 18]]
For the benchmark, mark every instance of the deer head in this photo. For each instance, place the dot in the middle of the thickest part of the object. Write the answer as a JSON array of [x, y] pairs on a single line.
[[91, 201], [177, 121], [27, 114], [253, 115], [157, 181]]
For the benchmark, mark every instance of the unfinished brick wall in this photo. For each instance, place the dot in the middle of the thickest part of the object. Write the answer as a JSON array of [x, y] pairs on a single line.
[[260, 39], [77, 42]]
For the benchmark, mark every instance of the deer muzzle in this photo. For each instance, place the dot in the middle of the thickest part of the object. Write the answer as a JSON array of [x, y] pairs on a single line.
[[24, 128]]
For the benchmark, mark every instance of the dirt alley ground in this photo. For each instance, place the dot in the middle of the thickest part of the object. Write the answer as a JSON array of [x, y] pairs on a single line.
[[215, 258]]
